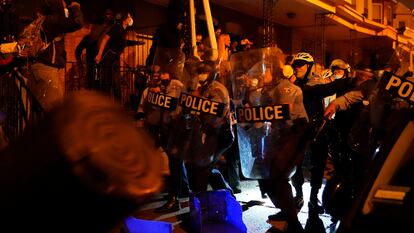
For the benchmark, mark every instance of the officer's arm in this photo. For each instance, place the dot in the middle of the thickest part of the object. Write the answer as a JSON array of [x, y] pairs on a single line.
[[343, 102], [324, 90]]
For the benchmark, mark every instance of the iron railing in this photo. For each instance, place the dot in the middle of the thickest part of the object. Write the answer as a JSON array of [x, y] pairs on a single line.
[[17, 103], [126, 89], [21, 108]]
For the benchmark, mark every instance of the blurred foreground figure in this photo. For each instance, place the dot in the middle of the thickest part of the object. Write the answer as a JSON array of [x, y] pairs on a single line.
[[83, 168]]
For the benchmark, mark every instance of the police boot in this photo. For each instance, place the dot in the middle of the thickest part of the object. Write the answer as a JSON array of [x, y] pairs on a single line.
[[299, 202], [295, 227], [172, 205], [314, 203]]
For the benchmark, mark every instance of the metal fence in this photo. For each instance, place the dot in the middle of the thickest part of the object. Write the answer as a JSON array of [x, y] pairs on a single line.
[[125, 87], [21, 108], [17, 103]]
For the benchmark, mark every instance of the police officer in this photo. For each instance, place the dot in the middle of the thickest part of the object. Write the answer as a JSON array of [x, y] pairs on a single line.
[[159, 106], [287, 143], [206, 142], [314, 90]]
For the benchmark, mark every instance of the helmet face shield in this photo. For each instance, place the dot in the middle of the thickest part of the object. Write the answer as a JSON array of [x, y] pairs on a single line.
[[298, 63]]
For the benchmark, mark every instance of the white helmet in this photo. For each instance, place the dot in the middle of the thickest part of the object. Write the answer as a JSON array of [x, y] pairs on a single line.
[[348, 68], [339, 64], [304, 57], [326, 74]]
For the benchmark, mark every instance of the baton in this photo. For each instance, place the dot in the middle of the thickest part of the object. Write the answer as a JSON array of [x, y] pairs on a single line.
[[320, 128]]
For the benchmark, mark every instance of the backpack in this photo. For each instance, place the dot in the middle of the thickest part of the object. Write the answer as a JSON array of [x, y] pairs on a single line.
[[30, 42]]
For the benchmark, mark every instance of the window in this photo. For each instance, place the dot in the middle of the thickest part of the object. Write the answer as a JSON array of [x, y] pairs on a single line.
[[366, 8], [388, 14], [377, 12], [401, 24]]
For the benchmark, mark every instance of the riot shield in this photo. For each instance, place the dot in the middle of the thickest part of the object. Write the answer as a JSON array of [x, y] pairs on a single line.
[[170, 60], [201, 132], [382, 138], [255, 74], [205, 104], [388, 93], [388, 99], [160, 99]]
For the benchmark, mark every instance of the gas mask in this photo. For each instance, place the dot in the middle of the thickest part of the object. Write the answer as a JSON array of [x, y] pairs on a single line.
[[338, 76], [165, 82], [201, 79]]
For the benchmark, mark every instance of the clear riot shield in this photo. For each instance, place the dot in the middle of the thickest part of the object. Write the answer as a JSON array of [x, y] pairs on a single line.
[[389, 95], [382, 139], [170, 60], [159, 101], [387, 109], [254, 75], [205, 104], [164, 87]]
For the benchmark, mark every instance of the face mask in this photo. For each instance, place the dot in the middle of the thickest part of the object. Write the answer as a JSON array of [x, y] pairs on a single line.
[[201, 79], [66, 13], [337, 76], [131, 22], [165, 82]]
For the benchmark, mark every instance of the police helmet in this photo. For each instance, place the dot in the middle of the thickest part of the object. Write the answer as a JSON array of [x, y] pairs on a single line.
[[301, 59], [339, 64], [304, 57]]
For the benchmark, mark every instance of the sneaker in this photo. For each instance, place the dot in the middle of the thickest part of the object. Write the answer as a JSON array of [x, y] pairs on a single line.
[[295, 227], [236, 190]]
